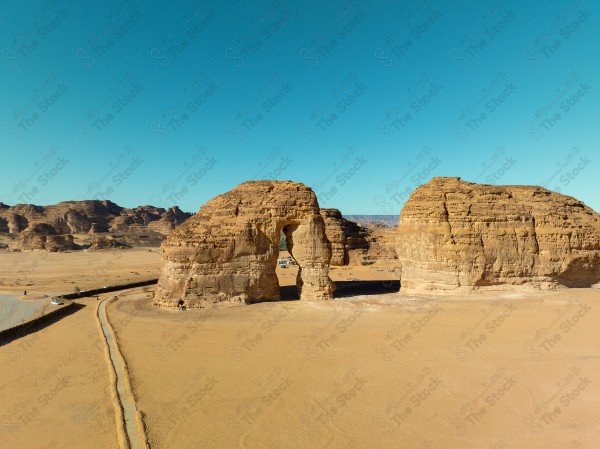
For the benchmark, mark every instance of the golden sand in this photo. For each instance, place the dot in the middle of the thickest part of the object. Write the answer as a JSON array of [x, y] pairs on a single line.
[[494, 370]]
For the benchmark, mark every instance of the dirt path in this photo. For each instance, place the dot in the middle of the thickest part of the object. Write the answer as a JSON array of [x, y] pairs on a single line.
[[127, 411]]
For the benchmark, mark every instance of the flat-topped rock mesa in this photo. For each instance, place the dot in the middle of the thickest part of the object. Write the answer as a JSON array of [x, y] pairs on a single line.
[[454, 234], [228, 251], [42, 225], [353, 244]]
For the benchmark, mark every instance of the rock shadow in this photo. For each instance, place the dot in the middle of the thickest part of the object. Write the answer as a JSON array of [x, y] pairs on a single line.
[[348, 289]]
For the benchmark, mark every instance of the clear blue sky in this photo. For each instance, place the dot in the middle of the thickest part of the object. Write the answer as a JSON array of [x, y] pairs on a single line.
[[156, 102]]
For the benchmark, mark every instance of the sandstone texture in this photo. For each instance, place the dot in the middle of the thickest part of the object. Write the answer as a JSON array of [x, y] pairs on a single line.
[[39, 241], [27, 226], [99, 242], [456, 234], [335, 229], [381, 246], [354, 244], [228, 251], [169, 220]]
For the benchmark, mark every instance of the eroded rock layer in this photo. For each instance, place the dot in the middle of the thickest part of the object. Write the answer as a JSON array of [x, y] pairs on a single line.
[[29, 226], [228, 250], [354, 244], [336, 234], [454, 234], [49, 242]]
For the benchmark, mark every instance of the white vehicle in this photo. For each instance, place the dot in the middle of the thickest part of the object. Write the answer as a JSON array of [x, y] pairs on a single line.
[[56, 302]]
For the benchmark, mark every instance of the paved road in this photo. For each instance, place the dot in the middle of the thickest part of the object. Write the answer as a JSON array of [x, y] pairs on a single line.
[[14, 311], [123, 390]]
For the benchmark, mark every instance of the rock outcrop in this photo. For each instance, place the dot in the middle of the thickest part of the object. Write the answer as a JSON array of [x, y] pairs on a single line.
[[169, 220], [35, 241], [349, 241], [381, 241], [456, 234], [228, 251], [143, 224], [106, 241], [336, 234]]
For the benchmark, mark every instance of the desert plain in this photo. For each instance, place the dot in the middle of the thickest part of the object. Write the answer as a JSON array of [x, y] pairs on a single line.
[[373, 368]]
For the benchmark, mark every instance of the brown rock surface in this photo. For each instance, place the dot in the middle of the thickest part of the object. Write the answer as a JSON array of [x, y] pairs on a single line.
[[169, 220], [107, 241], [353, 244], [49, 242], [228, 250], [454, 234], [381, 246], [336, 234], [143, 224]]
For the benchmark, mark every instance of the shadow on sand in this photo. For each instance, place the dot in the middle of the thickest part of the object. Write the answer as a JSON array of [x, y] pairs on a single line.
[[37, 324], [345, 289]]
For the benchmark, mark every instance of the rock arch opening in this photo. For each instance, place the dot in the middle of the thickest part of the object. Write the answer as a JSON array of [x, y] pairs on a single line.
[[289, 269]]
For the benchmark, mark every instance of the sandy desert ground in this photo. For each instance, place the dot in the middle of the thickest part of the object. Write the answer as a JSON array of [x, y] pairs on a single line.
[[41, 272], [495, 370], [54, 386]]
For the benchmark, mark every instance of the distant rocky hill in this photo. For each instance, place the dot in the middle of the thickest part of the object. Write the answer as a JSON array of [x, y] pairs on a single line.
[[390, 221], [85, 224]]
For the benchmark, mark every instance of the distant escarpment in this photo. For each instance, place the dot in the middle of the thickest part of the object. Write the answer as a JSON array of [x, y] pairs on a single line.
[[80, 224], [456, 234]]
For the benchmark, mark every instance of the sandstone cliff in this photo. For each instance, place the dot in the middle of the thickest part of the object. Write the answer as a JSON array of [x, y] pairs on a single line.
[[454, 234], [41, 225], [227, 252]]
